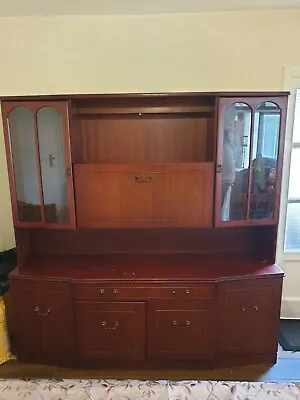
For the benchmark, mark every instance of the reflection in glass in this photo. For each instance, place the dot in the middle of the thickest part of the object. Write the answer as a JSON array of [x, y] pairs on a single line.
[[235, 162], [23, 150], [53, 169], [264, 160]]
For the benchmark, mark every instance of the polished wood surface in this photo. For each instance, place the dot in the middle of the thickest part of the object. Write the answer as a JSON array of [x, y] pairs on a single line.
[[111, 330], [147, 267], [143, 138], [149, 277], [140, 96], [180, 330], [148, 329], [44, 315], [143, 195], [255, 241]]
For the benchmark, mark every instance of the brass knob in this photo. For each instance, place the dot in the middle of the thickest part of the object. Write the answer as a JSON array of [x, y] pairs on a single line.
[[174, 292], [115, 291], [187, 292], [255, 308], [243, 309], [102, 291]]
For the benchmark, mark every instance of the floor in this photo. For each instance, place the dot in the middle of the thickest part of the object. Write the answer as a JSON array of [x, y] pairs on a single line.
[[287, 369]]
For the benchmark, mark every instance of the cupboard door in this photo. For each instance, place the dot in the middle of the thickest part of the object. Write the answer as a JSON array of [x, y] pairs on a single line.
[[250, 318], [191, 195], [44, 313], [111, 330], [180, 331], [249, 160], [119, 196], [39, 163]]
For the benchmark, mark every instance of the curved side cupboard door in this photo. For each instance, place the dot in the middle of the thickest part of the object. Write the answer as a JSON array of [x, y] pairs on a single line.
[[249, 160], [37, 140]]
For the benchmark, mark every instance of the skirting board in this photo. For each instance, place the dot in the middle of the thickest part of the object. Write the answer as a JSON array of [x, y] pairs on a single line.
[[290, 307]]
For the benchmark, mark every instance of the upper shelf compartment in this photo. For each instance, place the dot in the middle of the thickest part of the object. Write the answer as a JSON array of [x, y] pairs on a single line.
[[149, 129]]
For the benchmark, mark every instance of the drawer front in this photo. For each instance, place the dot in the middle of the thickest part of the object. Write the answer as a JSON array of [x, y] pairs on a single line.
[[105, 292], [180, 332], [251, 295], [111, 330]]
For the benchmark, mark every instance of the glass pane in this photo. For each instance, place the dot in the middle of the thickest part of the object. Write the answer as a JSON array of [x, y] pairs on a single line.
[[294, 184], [23, 149], [264, 156], [235, 162], [296, 127], [292, 235], [53, 169]]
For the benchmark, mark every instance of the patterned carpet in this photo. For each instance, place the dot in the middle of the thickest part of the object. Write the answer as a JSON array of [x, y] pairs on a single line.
[[144, 390]]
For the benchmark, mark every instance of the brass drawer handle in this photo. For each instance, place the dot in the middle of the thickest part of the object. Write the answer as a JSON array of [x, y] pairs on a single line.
[[114, 292], [243, 308], [255, 308], [37, 310], [174, 292], [186, 324], [104, 324], [187, 292], [139, 179]]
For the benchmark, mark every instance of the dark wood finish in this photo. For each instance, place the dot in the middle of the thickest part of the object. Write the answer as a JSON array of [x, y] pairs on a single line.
[[111, 330], [252, 102], [118, 318], [142, 138], [147, 268], [44, 314], [139, 96], [249, 317], [118, 195], [238, 241], [115, 293], [180, 331]]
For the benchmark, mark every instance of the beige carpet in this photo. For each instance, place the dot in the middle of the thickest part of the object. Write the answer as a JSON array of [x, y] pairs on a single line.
[[144, 390]]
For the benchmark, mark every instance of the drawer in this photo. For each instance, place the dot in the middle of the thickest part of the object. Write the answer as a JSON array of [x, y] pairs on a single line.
[[111, 330], [105, 292], [181, 332]]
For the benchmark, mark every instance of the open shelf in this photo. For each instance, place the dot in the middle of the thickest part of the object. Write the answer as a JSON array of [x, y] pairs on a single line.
[[186, 267]]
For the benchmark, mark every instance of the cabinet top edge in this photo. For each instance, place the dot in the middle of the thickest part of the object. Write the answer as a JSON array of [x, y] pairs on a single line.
[[133, 95]]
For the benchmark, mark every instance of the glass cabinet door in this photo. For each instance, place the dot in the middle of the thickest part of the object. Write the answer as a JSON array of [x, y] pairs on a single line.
[[265, 144], [249, 160], [52, 161], [234, 167], [39, 164], [25, 167]]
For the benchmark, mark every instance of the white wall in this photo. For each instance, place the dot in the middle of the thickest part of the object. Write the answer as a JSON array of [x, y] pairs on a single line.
[[158, 53]]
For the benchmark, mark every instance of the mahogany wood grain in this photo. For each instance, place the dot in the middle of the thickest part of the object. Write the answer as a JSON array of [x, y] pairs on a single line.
[[111, 330], [179, 330], [136, 139], [145, 195], [249, 317], [44, 321], [129, 96], [248, 240], [146, 268]]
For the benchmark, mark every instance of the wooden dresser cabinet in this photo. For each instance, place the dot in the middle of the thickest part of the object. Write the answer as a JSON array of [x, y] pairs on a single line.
[[146, 228]]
